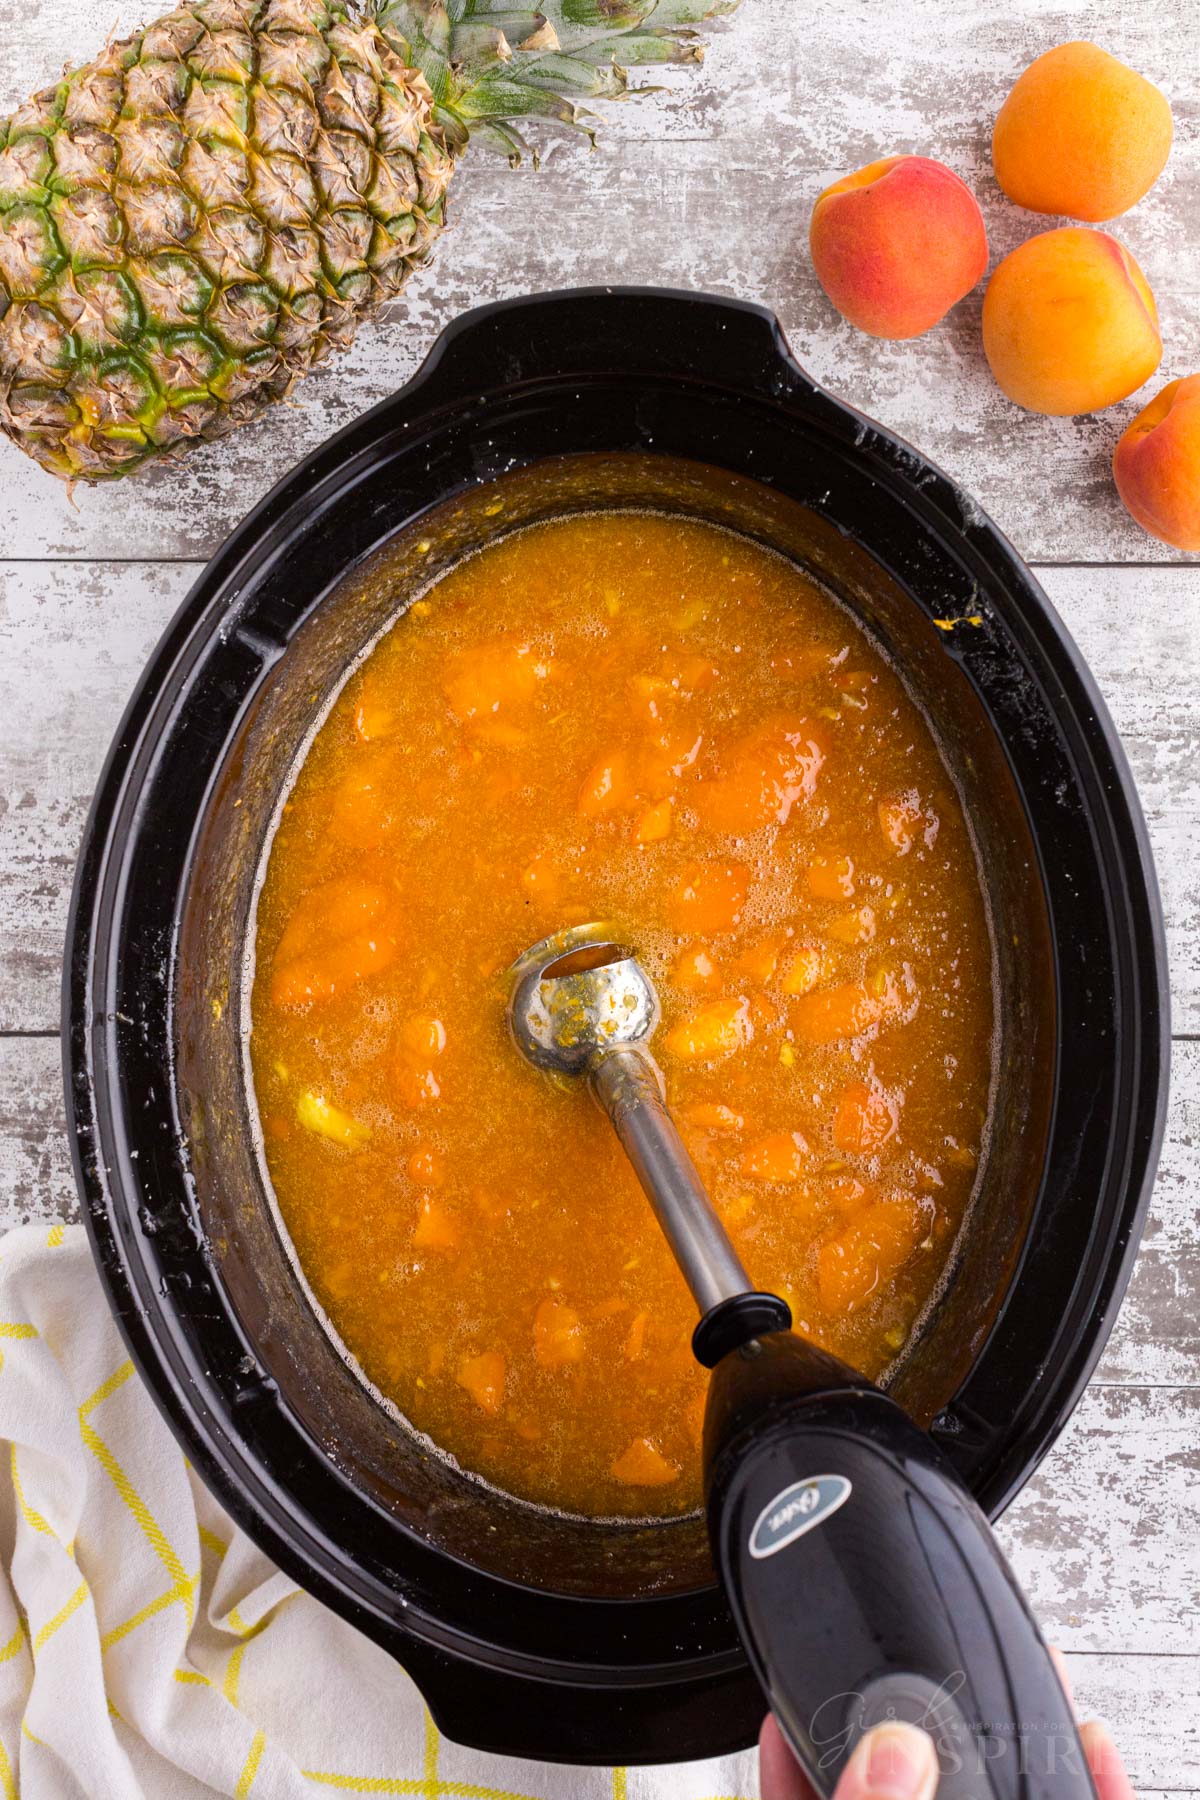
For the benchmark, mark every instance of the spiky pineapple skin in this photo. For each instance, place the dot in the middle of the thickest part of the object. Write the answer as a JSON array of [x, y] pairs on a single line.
[[197, 217]]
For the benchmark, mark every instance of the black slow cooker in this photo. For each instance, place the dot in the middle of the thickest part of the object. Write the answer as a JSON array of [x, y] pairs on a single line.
[[530, 1633]]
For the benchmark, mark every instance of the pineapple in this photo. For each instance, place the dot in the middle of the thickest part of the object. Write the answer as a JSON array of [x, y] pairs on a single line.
[[194, 219]]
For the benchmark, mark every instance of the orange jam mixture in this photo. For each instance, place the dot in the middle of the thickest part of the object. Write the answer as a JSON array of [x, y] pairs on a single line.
[[642, 719]]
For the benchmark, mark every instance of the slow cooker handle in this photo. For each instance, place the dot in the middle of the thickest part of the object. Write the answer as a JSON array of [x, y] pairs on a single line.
[[866, 1584], [646, 335]]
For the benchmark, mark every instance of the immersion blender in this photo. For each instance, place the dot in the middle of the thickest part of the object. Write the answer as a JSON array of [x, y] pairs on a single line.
[[864, 1581]]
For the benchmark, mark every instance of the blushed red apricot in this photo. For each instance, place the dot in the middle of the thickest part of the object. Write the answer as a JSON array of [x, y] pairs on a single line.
[[1069, 323], [1156, 465], [896, 245]]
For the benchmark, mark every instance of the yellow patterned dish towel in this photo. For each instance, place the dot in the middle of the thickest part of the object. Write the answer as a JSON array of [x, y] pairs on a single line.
[[148, 1651]]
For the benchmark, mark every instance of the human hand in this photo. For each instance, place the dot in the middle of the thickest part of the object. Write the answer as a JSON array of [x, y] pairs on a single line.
[[898, 1762]]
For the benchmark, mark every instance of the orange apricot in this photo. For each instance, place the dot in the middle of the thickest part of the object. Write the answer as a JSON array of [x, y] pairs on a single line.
[[712, 1115], [689, 673], [363, 809], [758, 962], [635, 1338], [1156, 465], [709, 896], [695, 971], [608, 787], [769, 771], [831, 878], [712, 1032], [654, 824], [777, 1157], [864, 1254], [896, 245], [805, 970], [557, 1334], [1081, 134], [665, 759], [423, 1035], [483, 1378], [643, 1465], [339, 934], [436, 1229], [488, 678], [544, 880], [867, 1117], [413, 1084], [1069, 323], [828, 1014]]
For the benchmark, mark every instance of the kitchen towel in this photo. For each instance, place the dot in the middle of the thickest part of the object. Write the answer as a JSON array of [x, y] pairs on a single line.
[[148, 1650]]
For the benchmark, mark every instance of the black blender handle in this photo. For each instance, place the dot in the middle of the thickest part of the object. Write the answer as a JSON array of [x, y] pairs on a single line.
[[867, 1585]]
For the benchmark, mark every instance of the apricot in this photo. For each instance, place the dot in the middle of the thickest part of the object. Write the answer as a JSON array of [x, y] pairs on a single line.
[[778, 1157], [1081, 134], [478, 682], [1069, 323], [608, 787], [898, 244], [831, 878], [712, 1115], [557, 1334], [712, 1032], [866, 1118], [1156, 465], [709, 896], [769, 772], [644, 1465], [695, 971], [483, 1378], [655, 823], [339, 934], [863, 1255], [806, 970], [436, 1229]]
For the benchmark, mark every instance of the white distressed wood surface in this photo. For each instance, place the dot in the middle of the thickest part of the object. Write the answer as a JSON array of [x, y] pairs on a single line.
[[709, 185]]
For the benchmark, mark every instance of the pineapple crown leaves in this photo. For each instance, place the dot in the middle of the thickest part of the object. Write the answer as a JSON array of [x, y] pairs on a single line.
[[491, 63]]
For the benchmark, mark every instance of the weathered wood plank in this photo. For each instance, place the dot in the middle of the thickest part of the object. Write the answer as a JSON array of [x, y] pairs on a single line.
[[709, 185], [1104, 1535], [36, 1183], [1140, 632], [74, 637], [1152, 1705], [1157, 1335], [1156, 1342]]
